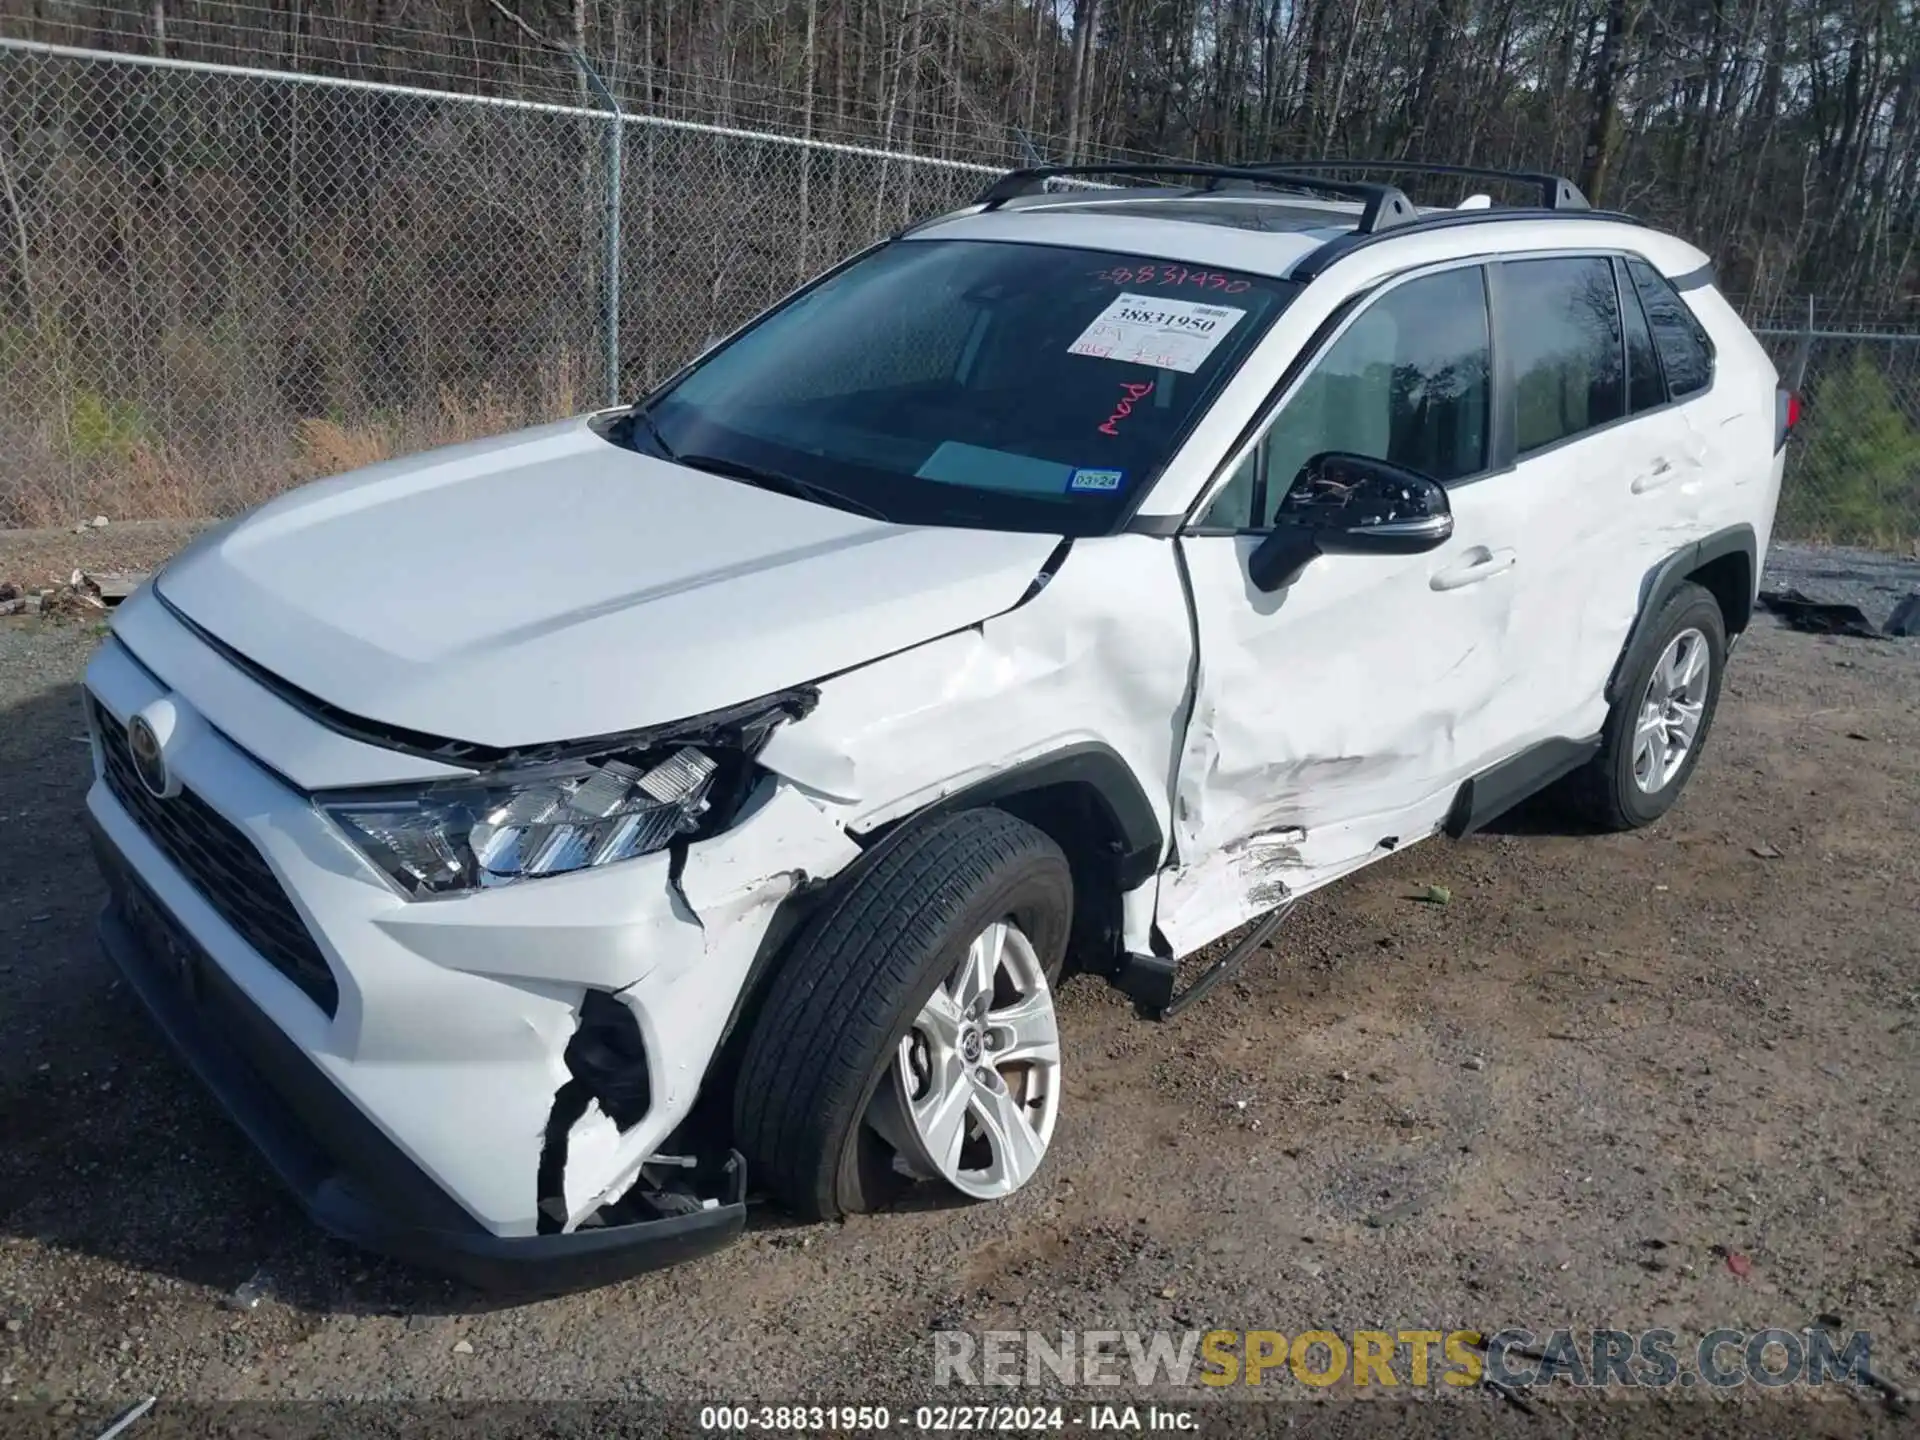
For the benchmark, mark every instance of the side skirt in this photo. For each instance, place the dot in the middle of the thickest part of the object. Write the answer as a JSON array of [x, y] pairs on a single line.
[[1493, 792], [1148, 980]]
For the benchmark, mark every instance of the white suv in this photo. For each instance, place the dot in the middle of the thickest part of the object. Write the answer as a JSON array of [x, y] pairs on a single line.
[[534, 841]]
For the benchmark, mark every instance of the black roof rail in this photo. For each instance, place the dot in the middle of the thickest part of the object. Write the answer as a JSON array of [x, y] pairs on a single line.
[[1382, 206], [1338, 248], [1555, 191]]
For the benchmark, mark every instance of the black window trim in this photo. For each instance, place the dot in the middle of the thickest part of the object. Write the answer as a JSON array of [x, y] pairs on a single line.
[[1310, 354], [1701, 333], [1625, 290]]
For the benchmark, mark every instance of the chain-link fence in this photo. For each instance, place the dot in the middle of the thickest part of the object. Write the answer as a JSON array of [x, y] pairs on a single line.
[[1853, 469], [216, 282]]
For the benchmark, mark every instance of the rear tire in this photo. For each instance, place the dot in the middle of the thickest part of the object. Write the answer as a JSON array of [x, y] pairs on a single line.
[[859, 979], [1659, 725]]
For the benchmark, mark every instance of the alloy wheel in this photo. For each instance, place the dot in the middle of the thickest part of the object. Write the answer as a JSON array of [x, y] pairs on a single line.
[[976, 1080], [1671, 710]]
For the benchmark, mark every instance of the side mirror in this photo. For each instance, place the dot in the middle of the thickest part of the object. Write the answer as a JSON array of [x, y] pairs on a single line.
[[1344, 504]]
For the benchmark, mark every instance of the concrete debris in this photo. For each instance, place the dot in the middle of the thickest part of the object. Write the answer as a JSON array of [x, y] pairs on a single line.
[[80, 594], [1905, 619], [117, 585], [248, 1294]]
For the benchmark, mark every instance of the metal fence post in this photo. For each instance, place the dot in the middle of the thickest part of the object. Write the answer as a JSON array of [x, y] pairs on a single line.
[[610, 288]]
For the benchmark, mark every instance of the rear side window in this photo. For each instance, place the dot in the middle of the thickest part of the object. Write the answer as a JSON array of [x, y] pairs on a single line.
[[1560, 324], [1645, 387], [1685, 352]]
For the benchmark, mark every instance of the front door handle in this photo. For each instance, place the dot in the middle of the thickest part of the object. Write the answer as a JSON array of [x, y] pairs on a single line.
[[1480, 564]]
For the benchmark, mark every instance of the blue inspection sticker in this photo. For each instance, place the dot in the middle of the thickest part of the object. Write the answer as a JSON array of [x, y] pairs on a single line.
[[1095, 479]]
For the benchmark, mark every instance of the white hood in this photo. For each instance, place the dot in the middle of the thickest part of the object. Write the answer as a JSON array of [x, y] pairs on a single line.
[[549, 585]]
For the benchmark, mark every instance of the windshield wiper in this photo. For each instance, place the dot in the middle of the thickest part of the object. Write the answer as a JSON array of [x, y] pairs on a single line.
[[777, 482]]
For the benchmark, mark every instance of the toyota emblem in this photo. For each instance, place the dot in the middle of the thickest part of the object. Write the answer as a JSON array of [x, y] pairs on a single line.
[[148, 761]]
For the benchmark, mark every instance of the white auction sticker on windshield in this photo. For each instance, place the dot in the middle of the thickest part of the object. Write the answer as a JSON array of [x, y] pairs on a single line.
[[1154, 330]]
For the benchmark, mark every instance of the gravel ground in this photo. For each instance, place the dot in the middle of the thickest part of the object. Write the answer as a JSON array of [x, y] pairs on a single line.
[[1656, 1079], [32, 559]]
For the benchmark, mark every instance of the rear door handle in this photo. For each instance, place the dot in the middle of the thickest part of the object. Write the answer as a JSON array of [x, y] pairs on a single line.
[[1662, 473], [1480, 564]]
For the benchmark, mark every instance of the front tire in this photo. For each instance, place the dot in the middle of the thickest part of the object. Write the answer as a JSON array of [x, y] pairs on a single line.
[[1659, 725], [913, 1022]]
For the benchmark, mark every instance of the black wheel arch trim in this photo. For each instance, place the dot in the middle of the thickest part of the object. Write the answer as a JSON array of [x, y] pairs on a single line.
[[1673, 572], [1091, 763]]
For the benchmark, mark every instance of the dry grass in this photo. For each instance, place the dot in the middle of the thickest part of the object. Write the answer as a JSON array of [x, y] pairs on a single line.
[[43, 482], [328, 448]]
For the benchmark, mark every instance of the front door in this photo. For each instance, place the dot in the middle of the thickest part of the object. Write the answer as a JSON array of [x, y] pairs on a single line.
[[1338, 715]]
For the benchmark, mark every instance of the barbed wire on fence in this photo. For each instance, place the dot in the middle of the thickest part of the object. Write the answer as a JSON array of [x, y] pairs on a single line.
[[217, 281]]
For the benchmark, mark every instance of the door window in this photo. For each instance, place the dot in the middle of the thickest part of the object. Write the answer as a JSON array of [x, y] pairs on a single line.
[[1684, 349], [1407, 381], [1560, 323], [1645, 387]]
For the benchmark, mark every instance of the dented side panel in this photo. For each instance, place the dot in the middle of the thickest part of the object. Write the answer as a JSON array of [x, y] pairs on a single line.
[[1101, 654], [1335, 714]]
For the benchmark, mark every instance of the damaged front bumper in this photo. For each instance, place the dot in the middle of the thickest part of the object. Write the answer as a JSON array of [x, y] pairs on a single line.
[[453, 1048], [352, 1180]]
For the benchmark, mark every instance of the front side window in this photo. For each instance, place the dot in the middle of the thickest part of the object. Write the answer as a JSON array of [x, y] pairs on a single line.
[[977, 383], [1560, 325], [1677, 334], [1407, 382]]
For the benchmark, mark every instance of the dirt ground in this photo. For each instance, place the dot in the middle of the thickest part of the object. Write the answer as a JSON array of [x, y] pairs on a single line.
[[1608, 1076]]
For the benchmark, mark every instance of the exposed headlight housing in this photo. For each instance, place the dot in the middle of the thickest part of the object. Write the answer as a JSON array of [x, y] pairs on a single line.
[[560, 816]]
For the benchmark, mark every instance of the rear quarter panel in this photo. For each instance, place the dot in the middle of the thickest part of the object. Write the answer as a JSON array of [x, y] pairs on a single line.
[[1736, 420]]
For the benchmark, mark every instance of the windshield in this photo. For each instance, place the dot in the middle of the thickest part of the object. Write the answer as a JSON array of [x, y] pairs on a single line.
[[962, 382]]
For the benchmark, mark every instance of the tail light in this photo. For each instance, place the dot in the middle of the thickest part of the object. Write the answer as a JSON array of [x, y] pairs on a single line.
[[1786, 400]]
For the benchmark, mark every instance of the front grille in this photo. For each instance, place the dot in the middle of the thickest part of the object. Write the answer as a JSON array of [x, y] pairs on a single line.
[[223, 866]]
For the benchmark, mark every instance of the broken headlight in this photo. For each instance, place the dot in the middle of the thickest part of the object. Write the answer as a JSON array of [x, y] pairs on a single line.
[[462, 835]]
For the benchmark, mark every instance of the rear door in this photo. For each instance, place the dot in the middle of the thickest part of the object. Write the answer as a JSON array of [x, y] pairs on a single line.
[[1612, 476], [1336, 716]]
